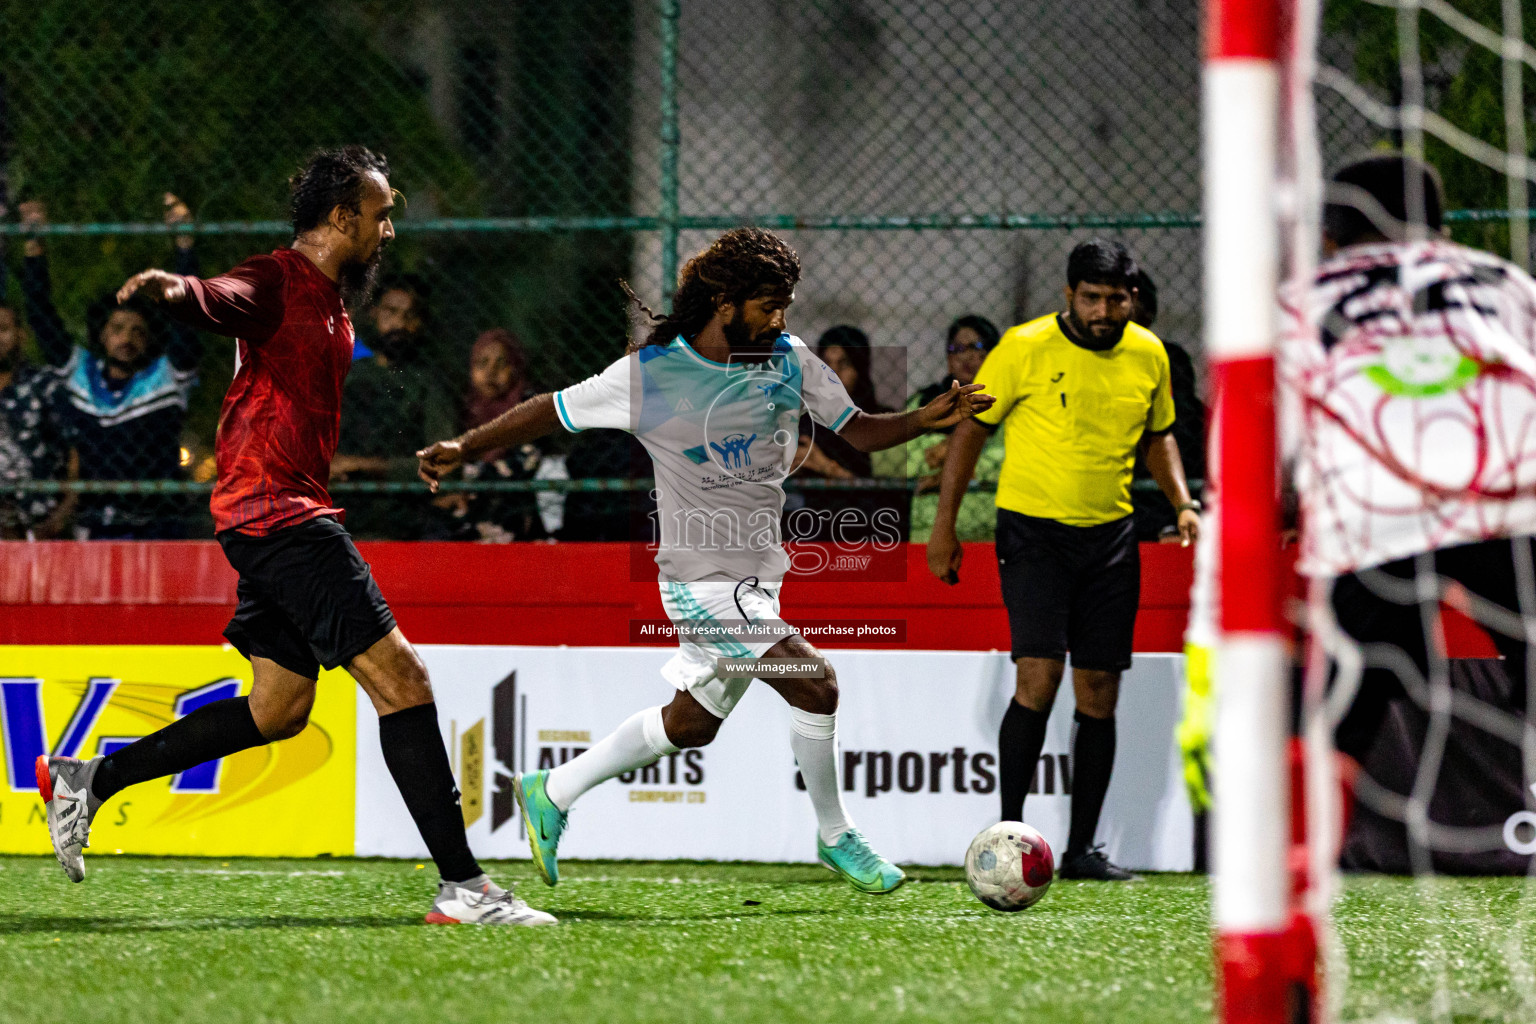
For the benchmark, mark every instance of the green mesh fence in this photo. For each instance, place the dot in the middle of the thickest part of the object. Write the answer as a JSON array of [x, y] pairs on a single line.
[[929, 159]]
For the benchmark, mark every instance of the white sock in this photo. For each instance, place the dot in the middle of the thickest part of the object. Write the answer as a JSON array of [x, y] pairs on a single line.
[[814, 741], [640, 741]]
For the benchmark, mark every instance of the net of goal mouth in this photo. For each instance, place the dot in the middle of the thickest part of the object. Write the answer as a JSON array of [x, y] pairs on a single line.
[[1387, 422]]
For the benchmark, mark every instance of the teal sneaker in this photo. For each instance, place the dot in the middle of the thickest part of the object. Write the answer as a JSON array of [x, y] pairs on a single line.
[[543, 820], [856, 860]]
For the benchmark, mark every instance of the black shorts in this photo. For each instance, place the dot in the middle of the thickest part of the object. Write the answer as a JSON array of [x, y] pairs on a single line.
[[307, 598], [1379, 606], [1070, 588]]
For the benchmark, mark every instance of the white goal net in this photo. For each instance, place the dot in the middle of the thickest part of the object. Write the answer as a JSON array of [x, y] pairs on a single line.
[[1405, 365]]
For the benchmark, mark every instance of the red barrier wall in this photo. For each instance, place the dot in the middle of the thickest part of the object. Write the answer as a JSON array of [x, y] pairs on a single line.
[[166, 592]]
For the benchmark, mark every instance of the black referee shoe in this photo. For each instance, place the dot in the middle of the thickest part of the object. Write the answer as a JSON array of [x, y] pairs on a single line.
[[1094, 866]]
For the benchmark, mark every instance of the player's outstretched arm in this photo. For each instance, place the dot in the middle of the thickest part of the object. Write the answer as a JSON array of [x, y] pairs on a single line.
[[154, 284], [522, 423], [965, 446], [873, 432]]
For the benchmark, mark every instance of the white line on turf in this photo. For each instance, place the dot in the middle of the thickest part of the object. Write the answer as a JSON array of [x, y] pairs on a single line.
[[242, 871]]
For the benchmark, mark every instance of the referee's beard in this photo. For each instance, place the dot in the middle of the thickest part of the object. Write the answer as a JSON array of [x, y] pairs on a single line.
[[1095, 335]]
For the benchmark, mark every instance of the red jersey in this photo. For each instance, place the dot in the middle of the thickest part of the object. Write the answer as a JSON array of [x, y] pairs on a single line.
[[281, 417]]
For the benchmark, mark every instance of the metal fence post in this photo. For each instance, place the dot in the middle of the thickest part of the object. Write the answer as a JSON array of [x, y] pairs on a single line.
[[670, 141]]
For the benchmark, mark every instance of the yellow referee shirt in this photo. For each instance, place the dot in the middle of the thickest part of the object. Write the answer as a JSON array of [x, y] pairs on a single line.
[[1073, 419]]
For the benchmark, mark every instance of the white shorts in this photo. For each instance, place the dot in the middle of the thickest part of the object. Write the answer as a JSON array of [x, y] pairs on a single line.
[[694, 667]]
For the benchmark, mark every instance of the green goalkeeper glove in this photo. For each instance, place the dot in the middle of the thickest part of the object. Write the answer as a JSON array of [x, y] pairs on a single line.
[[1194, 732]]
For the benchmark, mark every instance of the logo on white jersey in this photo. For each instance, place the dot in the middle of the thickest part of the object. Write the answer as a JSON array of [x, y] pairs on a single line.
[[735, 450]]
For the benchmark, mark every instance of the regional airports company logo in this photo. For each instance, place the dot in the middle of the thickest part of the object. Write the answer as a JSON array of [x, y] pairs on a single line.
[[491, 749]]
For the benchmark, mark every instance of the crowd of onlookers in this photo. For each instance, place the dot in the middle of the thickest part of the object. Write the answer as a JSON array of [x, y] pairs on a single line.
[[113, 406], [109, 406]]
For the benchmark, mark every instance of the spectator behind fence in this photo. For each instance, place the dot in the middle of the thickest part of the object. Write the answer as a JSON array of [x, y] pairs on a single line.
[[498, 381], [393, 405], [36, 440], [968, 341], [1155, 518], [125, 391], [402, 307], [824, 454], [608, 515]]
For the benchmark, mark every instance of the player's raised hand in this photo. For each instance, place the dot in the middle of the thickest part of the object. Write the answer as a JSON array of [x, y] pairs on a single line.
[[956, 404], [438, 460], [33, 215], [154, 284], [178, 213]]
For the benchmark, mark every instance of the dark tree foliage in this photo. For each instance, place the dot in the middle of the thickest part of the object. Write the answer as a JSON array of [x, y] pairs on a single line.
[[1464, 83], [523, 111]]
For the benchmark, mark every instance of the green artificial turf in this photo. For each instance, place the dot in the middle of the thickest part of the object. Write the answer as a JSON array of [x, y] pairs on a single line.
[[338, 941]]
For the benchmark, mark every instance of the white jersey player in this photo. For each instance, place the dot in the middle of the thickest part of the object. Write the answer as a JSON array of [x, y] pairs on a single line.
[[1409, 416], [715, 394]]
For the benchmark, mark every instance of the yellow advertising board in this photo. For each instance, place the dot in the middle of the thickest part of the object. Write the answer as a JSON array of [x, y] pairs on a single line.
[[293, 798]]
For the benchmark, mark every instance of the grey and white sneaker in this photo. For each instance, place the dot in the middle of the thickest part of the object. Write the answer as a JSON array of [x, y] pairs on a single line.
[[65, 785], [482, 901]]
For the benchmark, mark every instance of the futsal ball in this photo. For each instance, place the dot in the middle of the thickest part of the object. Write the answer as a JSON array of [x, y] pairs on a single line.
[[1009, 866]]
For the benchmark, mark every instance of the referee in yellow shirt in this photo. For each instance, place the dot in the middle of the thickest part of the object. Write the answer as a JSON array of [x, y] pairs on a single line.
[[1077, 392]]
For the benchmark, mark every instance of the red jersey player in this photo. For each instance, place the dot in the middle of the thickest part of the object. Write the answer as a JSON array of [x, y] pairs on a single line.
[[306, 598]]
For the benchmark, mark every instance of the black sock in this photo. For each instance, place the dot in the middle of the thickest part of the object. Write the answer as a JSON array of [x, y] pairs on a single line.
[[1018, 750], [212, 731], [1093, 758], [414, 752]]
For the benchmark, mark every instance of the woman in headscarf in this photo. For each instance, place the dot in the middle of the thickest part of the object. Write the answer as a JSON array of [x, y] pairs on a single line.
[[822, 453], [498, 380]]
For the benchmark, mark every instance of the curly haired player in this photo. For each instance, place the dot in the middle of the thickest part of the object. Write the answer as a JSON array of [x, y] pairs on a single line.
[[306, 597], [715, 392]]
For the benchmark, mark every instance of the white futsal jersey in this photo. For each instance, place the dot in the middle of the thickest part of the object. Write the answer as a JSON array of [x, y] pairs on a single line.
[[722, 438], [1408, 391]]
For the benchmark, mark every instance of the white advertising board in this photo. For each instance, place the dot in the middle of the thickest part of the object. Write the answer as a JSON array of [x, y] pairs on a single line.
[[917, 731]]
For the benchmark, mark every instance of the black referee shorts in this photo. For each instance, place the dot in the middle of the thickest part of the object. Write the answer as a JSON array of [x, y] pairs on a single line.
[[1070, 589], [307, 598], [1379, 609]]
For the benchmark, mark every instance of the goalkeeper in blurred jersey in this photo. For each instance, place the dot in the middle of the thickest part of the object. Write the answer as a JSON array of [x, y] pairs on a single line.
[[1408, 372]]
